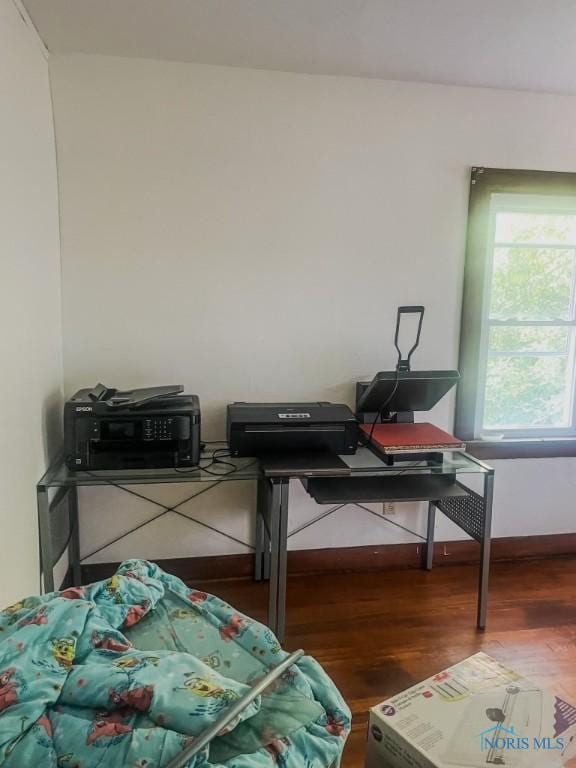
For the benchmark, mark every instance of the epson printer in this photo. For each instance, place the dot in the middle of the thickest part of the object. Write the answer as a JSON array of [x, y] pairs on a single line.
[[257, 429], [147, 428]]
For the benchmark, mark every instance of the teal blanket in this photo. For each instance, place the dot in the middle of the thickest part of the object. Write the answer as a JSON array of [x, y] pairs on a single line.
[[127, 671]]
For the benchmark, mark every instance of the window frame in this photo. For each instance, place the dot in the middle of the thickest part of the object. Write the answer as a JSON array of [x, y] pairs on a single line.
[[484, 183]]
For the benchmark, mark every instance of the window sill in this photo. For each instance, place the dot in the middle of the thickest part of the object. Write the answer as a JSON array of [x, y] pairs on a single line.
[[529, 448]]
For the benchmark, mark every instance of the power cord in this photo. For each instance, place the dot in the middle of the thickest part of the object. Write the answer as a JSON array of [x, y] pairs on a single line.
[[401, 365], [387, 401], [217, 458]]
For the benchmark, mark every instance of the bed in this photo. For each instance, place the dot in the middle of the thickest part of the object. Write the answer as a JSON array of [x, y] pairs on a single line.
[[142, 671]]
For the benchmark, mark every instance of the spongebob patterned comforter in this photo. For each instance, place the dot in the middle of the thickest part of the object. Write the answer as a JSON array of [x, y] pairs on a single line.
[[127, 671]]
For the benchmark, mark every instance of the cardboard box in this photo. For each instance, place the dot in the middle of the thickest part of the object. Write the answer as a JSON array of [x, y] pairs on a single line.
[[476, 714]]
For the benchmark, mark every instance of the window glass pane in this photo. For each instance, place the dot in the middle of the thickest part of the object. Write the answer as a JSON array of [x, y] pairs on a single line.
[[507, 340], [527, 392], [532, 284], [541, 228]]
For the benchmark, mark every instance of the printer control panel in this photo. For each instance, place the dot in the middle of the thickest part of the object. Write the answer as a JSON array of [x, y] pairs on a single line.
[[148, 429], [159, 429]]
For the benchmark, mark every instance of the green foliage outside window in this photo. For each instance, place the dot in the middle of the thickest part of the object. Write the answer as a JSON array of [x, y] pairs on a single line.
[[529, 367]]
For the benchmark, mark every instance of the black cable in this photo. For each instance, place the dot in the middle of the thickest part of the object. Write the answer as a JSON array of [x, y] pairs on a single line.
[[217, 458], [231, 471], [234, 468], [211, 459], [388, 399], [401, 364], [221, 453]]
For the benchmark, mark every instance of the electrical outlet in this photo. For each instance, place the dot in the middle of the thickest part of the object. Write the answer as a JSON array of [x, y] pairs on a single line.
[[388, 508]]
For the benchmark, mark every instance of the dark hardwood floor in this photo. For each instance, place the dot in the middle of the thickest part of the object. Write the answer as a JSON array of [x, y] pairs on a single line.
[[378, 633]]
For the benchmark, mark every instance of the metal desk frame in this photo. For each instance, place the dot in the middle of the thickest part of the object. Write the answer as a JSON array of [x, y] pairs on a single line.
[[471, 513], [58, 519]]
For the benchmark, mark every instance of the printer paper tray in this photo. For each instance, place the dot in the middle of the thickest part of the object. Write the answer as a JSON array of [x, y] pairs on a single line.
[[343, 490]]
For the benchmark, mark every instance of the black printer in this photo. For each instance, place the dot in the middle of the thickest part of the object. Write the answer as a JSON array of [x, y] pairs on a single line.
[[256, 429], [147, 428]]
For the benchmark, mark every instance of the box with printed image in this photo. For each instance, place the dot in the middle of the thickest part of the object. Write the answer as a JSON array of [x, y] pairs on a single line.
[[475, 714]]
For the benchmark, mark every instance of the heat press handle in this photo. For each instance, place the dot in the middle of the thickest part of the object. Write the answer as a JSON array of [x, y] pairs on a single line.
[[404, 364]]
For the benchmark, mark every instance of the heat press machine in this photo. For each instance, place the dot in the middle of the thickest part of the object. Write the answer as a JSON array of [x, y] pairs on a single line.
[[382, 405], [392, 397]]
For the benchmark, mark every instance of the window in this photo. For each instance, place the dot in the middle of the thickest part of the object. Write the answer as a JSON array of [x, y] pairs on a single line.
[[518, 340]]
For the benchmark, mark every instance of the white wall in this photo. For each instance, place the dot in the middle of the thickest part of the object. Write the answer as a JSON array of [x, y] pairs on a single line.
[[30, 317], [249, 234]]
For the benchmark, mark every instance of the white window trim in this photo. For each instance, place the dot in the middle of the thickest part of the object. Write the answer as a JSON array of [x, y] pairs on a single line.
[[522, 203]]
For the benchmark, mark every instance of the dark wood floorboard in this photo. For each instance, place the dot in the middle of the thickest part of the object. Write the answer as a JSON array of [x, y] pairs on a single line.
[[378, 633]]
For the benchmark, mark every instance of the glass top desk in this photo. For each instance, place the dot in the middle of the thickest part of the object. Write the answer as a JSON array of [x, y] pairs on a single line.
[[439, 480]]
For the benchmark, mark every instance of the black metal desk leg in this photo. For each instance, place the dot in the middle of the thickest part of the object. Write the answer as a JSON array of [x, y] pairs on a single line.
[[273, 505], [282, 558], [259, 531], [266, 495], [45, 541], [266, 557], [485, 545], [278, 507], [74, 549], [428, 559]]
